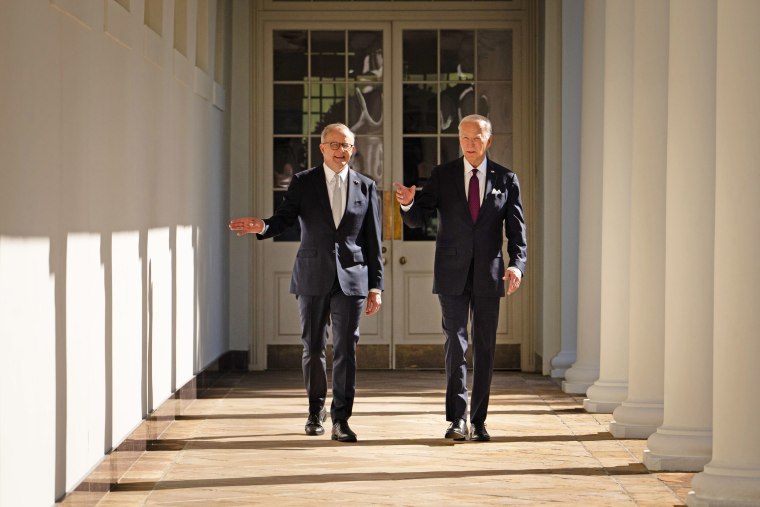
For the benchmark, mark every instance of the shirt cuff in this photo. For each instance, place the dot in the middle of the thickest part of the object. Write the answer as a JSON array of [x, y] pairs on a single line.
[[376, 291], [516, 271], [407, 207]]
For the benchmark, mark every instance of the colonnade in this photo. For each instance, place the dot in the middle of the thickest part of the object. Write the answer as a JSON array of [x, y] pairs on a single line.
[[668, 312]]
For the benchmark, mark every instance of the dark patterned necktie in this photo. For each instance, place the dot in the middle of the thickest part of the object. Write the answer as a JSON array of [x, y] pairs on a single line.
[[473, 196]]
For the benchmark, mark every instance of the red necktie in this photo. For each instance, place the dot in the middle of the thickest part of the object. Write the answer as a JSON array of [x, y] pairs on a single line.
[[473, 196]]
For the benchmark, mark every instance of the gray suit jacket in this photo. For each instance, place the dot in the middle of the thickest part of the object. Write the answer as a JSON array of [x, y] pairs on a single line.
[[351, 251], [459, 241]]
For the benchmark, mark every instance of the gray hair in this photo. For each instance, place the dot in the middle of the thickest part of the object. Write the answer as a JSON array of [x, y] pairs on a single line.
[[485, 123], [336, 126]]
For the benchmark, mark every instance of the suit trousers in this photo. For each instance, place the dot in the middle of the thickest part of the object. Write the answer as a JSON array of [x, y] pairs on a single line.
[[316, 314], [484, 314]]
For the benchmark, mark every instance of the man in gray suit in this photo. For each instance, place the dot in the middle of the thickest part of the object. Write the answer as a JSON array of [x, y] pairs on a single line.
[[337, 268], [478, 203]]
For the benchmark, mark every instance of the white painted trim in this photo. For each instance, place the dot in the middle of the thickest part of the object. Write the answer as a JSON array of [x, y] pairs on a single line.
[[202, 83]]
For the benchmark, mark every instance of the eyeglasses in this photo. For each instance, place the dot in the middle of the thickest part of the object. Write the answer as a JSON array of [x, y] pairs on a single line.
[[343, 146]]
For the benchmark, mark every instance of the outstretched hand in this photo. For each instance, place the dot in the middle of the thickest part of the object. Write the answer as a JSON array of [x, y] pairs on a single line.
[[404, 195], [247, 225]]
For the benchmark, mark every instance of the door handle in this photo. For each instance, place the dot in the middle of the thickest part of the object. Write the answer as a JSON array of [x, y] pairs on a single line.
[[402, 260]]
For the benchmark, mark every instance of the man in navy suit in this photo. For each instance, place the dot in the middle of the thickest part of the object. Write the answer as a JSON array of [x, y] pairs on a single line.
[[337, 268], [478, 203]]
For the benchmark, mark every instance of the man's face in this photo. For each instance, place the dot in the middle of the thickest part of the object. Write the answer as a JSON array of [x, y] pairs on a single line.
[[336, 159], [472, 139]]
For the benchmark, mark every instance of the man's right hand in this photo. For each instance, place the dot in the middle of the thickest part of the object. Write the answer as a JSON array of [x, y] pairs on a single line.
[[247, 225], [405, 195]]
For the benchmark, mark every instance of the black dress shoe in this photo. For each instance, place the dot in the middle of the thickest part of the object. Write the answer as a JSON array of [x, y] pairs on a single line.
[[342, 433], [479, 433], [314, 423], [457, 430]]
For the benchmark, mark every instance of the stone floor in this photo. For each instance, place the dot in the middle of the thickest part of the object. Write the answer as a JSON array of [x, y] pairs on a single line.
[[242, 443]]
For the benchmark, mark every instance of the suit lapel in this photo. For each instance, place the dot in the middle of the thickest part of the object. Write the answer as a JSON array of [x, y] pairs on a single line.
[[458, 180], [352, 194], [321, 189], [488, 199]]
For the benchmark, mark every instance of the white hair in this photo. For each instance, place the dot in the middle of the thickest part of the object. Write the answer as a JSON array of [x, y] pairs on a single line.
[[484, 122], [337, 126]]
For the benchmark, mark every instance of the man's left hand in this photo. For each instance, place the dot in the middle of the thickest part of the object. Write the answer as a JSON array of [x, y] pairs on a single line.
[[513, 281]]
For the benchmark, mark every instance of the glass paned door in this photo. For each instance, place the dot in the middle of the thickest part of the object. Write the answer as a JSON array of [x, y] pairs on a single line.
[[402, 87]]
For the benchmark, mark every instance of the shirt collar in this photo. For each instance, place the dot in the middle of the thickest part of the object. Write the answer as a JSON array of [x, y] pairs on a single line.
[[330, 174], [481, 168]]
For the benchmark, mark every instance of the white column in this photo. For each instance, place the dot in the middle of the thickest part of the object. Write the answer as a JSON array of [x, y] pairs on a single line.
[[732, 477], [612, 386], [641, 413], [572, 52], [585, 370], [551, 301], [683, 442]]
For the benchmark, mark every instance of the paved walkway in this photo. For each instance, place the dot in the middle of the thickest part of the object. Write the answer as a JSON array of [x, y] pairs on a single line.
[[243, 444]]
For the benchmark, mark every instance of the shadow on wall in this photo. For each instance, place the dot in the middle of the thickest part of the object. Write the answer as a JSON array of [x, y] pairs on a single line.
[[98, 329]]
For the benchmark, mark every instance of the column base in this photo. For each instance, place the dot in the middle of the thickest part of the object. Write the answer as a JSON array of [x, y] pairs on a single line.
[[678, 450], [729, 487], [579, 378], [605, 397], [561, 362], [575, 387], [636, 419]]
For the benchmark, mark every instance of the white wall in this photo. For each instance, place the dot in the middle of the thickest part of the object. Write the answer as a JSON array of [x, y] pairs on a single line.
[[114, 154]]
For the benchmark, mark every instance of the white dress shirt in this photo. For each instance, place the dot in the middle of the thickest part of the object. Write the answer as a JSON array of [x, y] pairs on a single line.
[[481, 178], [330, 176]]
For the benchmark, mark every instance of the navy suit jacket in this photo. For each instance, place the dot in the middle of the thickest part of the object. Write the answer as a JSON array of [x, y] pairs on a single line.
[[351, 251], [459, 241]]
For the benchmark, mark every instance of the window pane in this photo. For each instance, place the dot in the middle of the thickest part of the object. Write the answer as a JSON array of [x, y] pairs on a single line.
[[328, 105], [316, 155], [494, 55], [289, 109], [450, 149], [289, 156], [420, 109], [425, 233], [457, 55], [368, 157], [365, 109], [420, 156], [457, 101], [289, 57], [420, 51], [365, 55], [495, 102], [328, 55]]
